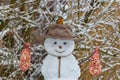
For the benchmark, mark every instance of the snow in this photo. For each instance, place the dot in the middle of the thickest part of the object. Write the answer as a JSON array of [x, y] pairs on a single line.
[[97, 21], [51, 60], [3, 33]]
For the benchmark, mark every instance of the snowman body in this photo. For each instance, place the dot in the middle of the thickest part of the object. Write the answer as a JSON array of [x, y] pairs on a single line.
[[67, 68]]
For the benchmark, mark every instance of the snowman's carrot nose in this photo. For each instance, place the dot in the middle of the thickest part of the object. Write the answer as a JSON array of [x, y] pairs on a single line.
[[60, 46]]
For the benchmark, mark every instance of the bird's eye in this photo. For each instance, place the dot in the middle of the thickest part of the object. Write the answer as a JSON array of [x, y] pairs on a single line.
[[55, 42], [64, 43]]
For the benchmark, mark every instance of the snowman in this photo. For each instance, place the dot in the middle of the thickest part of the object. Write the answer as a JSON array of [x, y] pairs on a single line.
[[60, 64]]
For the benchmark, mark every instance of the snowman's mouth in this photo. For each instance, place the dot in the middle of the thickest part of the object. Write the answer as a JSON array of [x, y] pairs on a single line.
[[60, 51]]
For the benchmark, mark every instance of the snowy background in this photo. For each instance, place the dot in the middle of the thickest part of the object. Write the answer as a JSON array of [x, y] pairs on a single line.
[[94, 22]]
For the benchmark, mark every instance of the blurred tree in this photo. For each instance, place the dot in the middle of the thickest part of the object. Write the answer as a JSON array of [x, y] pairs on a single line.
[[93, 22]]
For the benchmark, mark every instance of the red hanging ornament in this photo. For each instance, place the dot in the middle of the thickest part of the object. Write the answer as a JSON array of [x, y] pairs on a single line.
[[95, 66], [25, 58]]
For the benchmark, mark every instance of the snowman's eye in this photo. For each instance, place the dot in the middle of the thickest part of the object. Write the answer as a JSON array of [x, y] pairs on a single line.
[[55, 42], [64, 43]]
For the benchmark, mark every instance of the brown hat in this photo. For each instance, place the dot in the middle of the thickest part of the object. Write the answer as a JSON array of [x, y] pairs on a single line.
[[59, 31]]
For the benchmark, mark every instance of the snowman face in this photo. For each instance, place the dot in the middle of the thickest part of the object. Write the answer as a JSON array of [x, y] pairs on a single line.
[[59, 47]]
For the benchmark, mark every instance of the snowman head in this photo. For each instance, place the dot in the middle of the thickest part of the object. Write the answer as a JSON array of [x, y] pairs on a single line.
[[59, 41], [59, 47]]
